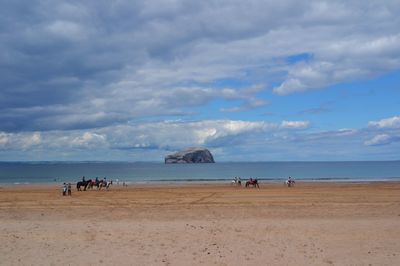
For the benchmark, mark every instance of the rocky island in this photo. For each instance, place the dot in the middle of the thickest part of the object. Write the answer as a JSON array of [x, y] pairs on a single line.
[[191, 155]]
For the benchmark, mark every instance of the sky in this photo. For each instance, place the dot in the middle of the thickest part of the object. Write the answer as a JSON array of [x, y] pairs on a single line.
[[94, 80]]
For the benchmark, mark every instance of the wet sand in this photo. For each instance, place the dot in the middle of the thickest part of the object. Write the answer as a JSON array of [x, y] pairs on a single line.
[[309, 224]]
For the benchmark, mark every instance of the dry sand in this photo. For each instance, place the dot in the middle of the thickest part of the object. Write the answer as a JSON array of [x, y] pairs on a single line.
[[309, 224]]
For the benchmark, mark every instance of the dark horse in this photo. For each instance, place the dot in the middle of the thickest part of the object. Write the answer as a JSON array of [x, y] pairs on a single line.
[[83, 184], [253, 182]]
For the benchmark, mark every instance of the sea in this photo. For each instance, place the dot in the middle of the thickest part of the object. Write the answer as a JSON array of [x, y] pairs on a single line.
[[26, 173]]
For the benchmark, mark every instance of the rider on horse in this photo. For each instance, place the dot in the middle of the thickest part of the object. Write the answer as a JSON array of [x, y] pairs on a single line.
[[290, 182]]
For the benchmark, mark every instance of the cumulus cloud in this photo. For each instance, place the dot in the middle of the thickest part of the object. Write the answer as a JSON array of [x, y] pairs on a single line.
[[384, 131], [176, 135], [89, 64], [89, 140], [229, 138], [306, 76], [20, 141], [391, 122], [343, 61], [91, 74], [168, 135], [3, 138], [380, 139], [30, 140]]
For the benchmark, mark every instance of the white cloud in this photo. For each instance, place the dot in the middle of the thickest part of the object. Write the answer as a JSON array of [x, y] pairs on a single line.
[[295, 124], [387, 123], [109, 71], [259, 140], [4, 138], [176, 135], [20, 141], [380, 139], [347, 132], [304, 76], [89, 140], [337, 61], [386, 131], [91, 68], [30, 140]]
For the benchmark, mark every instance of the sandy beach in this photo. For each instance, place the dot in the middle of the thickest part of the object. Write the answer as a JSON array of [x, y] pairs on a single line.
[[309, 224]]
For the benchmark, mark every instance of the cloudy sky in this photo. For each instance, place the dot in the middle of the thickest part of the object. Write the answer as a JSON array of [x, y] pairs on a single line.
[[250, 80]]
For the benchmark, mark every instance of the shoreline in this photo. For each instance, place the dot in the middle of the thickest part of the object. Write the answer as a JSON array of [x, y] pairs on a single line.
[[205, 183]]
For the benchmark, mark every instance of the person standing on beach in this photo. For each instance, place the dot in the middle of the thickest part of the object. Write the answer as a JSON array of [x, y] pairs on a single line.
[[69, 189], [64, 189]]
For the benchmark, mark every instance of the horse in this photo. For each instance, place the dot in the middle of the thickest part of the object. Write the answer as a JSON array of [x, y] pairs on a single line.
[[83, 184], [289, 183], [236, 182], [93, 183], [105, 184], [253, 182]]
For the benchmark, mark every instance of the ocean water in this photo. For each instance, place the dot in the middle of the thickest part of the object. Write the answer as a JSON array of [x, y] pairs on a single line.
[[148, 172]]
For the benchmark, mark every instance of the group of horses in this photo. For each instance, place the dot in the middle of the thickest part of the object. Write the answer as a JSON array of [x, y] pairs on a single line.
[[90, 184], [254, 182], [250, 182]]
